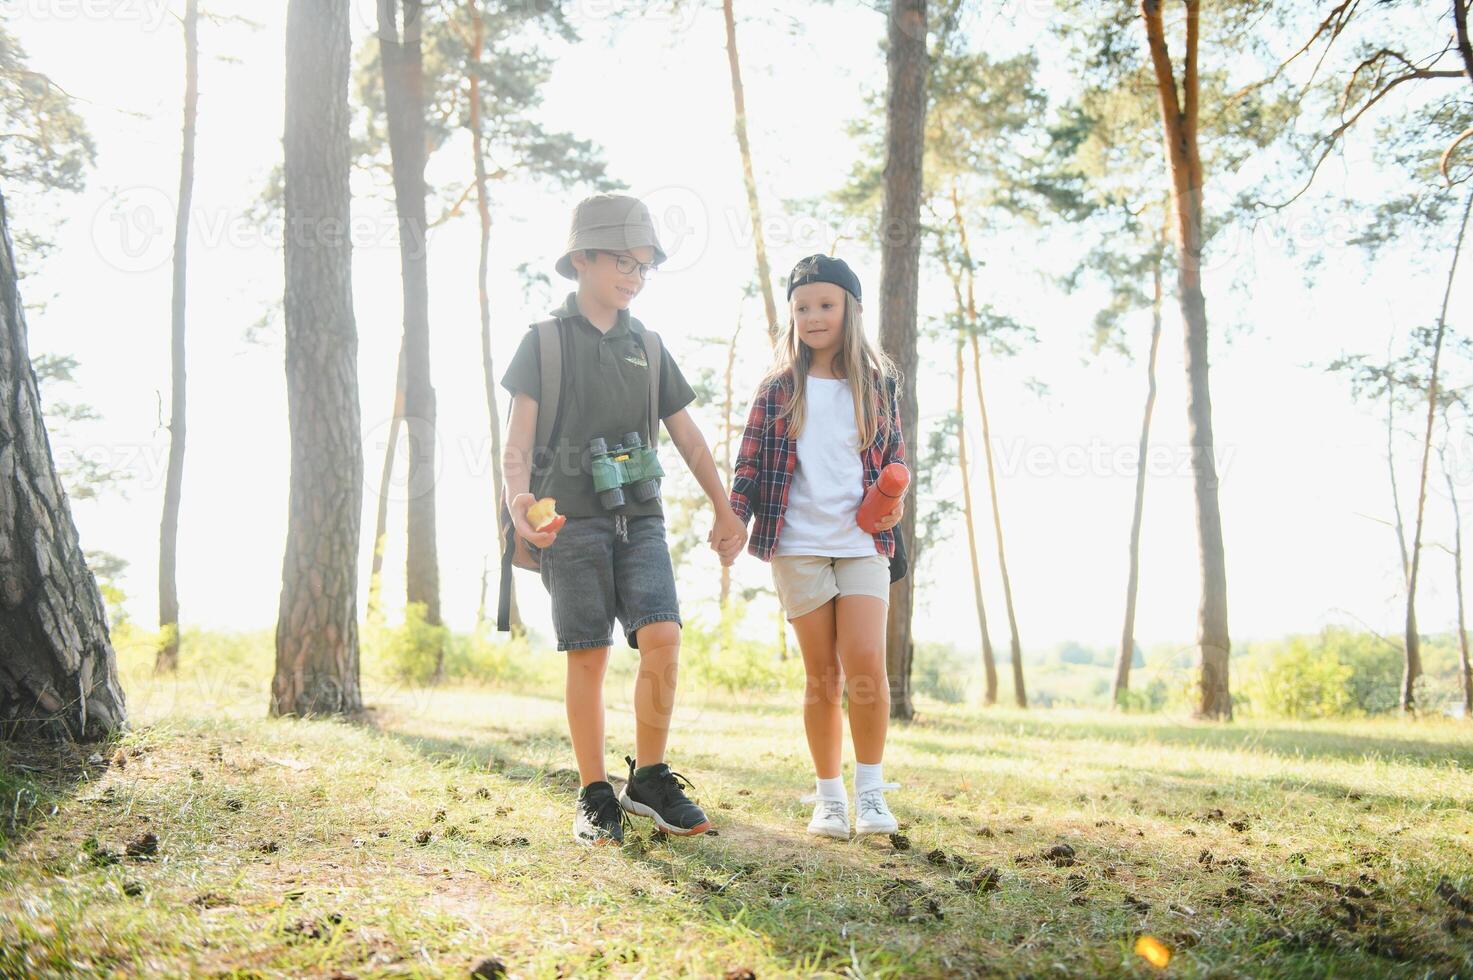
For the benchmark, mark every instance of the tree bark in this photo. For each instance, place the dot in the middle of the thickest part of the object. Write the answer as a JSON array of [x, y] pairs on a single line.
[[483, 295], [1179, 114], [1413, 666], [739, 101], [900, 238], [317, 627], [403, 74], [58, 672], [167, 658], [1126, 656]]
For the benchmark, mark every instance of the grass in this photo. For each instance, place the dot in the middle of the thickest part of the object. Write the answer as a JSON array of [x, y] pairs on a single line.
[[435, 835]]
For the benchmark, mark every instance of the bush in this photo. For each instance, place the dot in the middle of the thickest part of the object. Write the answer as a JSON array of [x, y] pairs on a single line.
[[943, 672], [715, 656], [1305, 680], [413, 652]]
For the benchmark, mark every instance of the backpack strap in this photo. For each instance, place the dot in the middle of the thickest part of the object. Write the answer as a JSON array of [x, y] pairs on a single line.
[[654, 351], [549, 423], [549, 403]]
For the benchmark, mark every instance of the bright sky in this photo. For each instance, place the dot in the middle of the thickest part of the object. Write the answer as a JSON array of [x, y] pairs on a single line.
[[1303, 468]]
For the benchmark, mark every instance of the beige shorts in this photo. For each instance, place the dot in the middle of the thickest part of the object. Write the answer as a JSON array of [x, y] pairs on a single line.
[[805, 582]]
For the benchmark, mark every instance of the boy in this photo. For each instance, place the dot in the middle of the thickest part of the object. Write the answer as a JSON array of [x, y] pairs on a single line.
[[607, 563]]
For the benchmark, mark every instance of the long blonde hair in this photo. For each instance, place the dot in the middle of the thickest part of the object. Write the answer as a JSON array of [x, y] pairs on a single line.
[[865, 368]]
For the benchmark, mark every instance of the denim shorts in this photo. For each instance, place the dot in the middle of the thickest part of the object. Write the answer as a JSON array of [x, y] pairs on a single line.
[[593, 577]]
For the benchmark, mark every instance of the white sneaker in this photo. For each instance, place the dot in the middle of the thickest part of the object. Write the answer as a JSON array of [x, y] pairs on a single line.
[[872, 816], [830, 817]]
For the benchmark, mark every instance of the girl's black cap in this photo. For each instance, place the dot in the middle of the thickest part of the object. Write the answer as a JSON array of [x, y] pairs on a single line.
[[823, 268]]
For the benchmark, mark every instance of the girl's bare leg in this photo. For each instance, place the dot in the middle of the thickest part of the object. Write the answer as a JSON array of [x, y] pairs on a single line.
[[859, 627], [823, 719]]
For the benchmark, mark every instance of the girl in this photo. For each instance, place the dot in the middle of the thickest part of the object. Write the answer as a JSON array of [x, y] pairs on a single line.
[[823, 424]]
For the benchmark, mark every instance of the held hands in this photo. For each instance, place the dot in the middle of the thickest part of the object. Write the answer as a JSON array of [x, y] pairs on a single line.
[[728, 535], [890, 520], [518, 508]]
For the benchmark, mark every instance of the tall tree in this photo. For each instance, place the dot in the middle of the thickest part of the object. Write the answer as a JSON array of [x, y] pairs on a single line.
[[483, 73], [900, 254], [1465, 663], [749, 177], [317, 626], [1180, 106], [1125, 656], [58, 671], [402, 62], [1413, 665], [167, 658]]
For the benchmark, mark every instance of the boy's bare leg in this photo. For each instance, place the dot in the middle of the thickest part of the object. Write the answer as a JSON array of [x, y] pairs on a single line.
[[654, 690], [584, 697], [823, 719], [860, 631]]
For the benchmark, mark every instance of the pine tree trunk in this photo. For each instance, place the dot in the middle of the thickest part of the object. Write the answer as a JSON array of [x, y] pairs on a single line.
[[1401, 532], [1126, 656], [483, 295], [739, 101], [375, 612], [727, 431], [1015, 646], [1413, 665], [954, 276], [900, 238], [1465, 671], [58, 672], [1179, 125], [317, 627], [167, 658], [403, 74], [989, 662]]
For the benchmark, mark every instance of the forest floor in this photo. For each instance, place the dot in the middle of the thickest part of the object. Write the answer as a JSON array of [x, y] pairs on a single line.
[[435, 836]]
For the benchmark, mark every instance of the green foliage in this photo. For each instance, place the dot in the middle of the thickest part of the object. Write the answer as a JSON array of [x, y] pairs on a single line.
[[1305, 680], [944, 672], [716, 656], [513, 69], [412, 652]]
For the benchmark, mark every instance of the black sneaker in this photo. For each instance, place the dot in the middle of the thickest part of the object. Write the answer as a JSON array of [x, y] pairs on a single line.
[[654, 792], [599, 819]]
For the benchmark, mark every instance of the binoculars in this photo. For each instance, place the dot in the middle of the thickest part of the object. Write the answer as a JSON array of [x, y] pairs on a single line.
[[630, 464]]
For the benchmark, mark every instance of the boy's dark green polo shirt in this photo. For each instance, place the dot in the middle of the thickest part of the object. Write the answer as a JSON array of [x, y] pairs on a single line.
[[605, 394]]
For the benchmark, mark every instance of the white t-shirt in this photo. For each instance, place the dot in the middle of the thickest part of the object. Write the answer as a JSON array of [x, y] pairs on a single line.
[[828, 480]]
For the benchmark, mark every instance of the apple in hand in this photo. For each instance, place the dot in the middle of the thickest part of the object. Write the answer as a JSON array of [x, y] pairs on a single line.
[[543, 515]]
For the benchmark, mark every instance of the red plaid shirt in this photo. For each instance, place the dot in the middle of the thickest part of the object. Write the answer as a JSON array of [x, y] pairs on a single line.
[[765, 463]]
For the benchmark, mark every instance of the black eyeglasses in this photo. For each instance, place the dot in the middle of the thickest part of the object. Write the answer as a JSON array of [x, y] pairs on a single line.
[[626, 263]]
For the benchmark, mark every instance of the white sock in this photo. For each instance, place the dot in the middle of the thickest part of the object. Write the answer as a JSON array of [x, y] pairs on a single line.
[[832, 789], [866, 776]]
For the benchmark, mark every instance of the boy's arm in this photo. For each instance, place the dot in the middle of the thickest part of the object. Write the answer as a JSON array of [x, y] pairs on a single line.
[[729, 533], [516, 468]]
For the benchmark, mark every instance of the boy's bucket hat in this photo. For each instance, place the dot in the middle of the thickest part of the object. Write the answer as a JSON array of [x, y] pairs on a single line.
[[616, 222]]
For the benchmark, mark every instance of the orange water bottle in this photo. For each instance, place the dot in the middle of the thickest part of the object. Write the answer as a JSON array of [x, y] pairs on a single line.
[[884, 496]]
